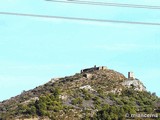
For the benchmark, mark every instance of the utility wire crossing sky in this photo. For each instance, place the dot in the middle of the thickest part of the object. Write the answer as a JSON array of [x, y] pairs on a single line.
[[106, 4], [80, 19]]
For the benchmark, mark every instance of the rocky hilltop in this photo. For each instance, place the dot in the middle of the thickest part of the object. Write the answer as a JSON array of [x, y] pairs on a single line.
[[94, 93]]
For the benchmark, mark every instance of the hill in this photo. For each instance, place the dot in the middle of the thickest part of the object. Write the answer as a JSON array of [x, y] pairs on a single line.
[[96, 93]]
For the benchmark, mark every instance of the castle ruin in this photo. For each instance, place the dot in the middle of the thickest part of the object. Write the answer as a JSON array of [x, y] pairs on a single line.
[[94, 68], [131, 75]]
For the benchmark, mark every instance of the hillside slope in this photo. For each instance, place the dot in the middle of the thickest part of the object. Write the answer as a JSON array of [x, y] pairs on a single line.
[[91, 94]]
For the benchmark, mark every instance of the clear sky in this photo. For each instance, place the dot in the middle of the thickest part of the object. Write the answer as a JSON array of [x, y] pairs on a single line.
[[34, 50]]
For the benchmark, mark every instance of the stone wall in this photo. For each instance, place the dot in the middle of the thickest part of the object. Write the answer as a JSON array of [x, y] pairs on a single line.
[[93, 69]]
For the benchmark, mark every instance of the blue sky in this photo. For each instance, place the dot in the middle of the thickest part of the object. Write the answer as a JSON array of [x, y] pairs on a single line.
[[34, 50]]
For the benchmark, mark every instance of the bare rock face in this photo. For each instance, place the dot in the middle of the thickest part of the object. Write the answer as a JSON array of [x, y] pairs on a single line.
[[136, 84], [87, 87]]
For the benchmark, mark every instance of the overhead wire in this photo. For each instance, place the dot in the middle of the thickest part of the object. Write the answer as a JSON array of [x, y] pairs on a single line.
[[79, 18], [106, 4]]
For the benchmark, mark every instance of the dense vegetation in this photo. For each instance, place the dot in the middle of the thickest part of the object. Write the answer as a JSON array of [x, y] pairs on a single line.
[[65, 100], [129, 103]]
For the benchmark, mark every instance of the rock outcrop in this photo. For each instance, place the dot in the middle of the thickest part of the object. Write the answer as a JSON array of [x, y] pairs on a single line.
[[136, 84]]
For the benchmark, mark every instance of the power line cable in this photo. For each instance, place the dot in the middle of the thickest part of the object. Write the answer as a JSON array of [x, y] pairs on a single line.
[[79, 19], [106, 4]]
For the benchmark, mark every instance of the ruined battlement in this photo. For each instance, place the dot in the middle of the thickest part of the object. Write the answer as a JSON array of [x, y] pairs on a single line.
[[131, 75], [94, 68]]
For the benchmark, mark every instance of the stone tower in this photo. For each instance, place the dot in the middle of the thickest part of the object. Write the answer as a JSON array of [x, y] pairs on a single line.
[[131, 75]]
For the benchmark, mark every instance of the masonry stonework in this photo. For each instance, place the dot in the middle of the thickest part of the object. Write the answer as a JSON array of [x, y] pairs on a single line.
[[94, 68], [131, 75]]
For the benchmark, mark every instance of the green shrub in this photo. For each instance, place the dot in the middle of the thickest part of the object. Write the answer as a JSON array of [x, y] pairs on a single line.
[[77, 101]]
